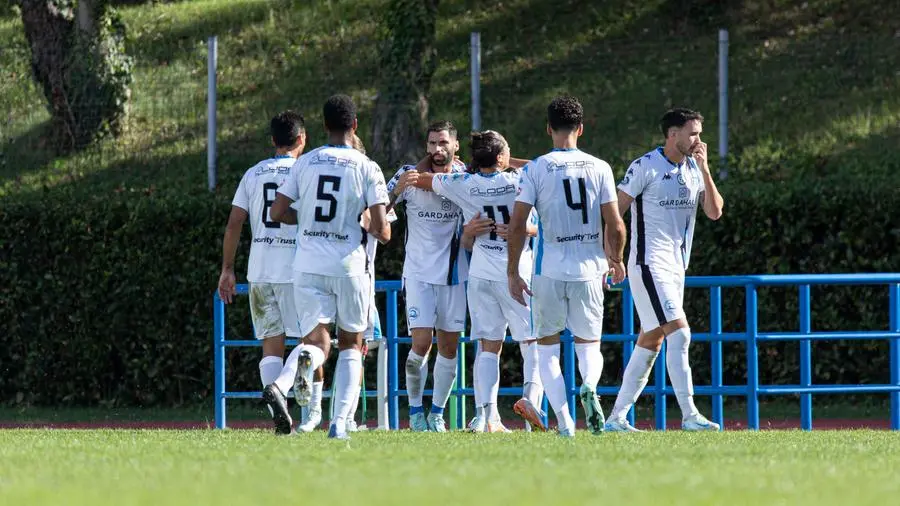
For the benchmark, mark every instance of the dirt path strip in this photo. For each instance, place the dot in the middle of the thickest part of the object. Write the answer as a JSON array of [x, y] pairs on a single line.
[[783, 424]]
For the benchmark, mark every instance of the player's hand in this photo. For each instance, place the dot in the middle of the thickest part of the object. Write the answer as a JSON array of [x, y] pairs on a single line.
[[617, 269], [501, 229], [407, 179], [226, 286], [517, 285], [478, 226], [701, 156], [364, 350]]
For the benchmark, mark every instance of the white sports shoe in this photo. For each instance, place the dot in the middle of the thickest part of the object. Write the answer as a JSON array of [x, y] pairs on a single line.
[[476, 424], [698, 423], [567, 433], [496, 427], [417, 423], [312, 421], [619, 425], [351, 426], [304, 379], [436, 423]]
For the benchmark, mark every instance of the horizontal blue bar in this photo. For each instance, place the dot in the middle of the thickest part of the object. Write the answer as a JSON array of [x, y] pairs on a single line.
[[827, 336], [827, 389]]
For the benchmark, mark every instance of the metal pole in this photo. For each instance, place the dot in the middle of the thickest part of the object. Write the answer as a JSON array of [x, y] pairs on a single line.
[[219, 359], [382, 382], [723, 104], [475, 52], [805, 358], [212, 50]]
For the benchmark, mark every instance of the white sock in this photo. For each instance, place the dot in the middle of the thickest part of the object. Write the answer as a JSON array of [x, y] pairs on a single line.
[[444, 376], [269, 369], [634, 379], [285, 380], [346, 377], [489, 377], [554, 384], [532, 388], [680, 370], [416, 370], [480, 399], [315, 400], [354, 405], [590, 363]]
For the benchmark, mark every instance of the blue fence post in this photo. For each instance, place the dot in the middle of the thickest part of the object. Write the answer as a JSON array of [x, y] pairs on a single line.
[[752, 359], [715, 349], [895, 354], [569, 375], [219, 359], [393, 377], [805, 358], [628, 330], [659, 407]]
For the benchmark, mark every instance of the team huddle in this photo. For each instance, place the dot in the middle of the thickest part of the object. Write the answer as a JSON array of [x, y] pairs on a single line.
[[528, 246]]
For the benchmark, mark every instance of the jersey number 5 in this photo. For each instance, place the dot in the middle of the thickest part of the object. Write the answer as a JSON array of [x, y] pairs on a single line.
[[582, 198], [327, 211]]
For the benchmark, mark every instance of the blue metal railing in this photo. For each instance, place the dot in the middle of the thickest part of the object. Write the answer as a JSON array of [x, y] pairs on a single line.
[[716, 336]]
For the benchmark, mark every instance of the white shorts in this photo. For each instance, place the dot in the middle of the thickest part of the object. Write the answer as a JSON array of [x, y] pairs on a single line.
[[492, 309], [272, 310], [329, 299], [576, 305], [441, 307], [658, 295]]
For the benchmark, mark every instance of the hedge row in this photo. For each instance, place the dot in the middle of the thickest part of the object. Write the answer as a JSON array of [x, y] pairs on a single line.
[[106, 299]]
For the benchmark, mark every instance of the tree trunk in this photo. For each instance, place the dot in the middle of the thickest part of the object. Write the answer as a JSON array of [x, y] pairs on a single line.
[[81, 67], [408, 63]]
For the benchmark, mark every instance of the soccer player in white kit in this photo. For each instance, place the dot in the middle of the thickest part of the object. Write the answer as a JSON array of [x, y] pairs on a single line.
[[662, 189], [491, 190], [331, 185], [571, 190], [272, 248], [434, 273]]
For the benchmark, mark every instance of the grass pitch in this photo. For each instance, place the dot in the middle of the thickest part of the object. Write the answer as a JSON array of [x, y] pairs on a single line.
[[119, 467]]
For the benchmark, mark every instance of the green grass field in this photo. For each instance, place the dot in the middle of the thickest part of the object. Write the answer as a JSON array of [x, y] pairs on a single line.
[[99, 468]]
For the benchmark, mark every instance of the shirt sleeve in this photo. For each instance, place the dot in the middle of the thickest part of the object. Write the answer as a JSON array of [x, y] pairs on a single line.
[[290, 188], [376, 189], [527, 191], [242, 196], [635, 179], [449, 185], [395, 180], [607, 186]]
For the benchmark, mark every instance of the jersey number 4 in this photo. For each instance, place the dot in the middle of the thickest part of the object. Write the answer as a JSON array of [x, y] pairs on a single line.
[[582, 198], [492, 214], [328, 209]]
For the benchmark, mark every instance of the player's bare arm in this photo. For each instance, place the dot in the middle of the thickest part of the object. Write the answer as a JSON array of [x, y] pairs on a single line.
[[625, 201], [229, 247], [712, 202], [518, 163], [614, 239], [365, 221], [379, 226], [281, 210], [514, 244]]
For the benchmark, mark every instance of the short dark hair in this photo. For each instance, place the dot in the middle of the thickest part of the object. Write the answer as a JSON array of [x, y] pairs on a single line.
[[565, 113], [440, 126], [677, 118], [486, 146], [339, 113], [285, 127]]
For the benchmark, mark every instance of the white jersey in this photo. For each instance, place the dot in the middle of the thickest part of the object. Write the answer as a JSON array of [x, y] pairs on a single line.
[[331, 186], [567, 187], [433, 233], [372, 244], [273, 244], [664, 210], [494, 196]]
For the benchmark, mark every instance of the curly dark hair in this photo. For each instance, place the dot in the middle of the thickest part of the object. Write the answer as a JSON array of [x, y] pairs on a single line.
[[285, 127], [565, 113], [677, 118], [339, 113], [440, 126]]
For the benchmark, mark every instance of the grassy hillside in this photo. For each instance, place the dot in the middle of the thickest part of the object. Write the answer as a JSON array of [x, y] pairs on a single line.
[[814, 87]]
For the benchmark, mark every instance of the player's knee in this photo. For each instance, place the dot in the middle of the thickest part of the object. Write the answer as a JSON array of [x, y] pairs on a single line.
[[489, 346]]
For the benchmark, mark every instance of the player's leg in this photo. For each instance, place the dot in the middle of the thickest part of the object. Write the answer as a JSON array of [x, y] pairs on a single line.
[[548, 307], [585, 321], [313, 418], [420, 314], [518, 318], [476, 424], [489, 328], [305, 358], [269, 327], [450, 322], [372, 335], [353, 299]]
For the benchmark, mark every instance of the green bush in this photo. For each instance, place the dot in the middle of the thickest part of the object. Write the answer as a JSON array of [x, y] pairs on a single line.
[[106, 299]]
